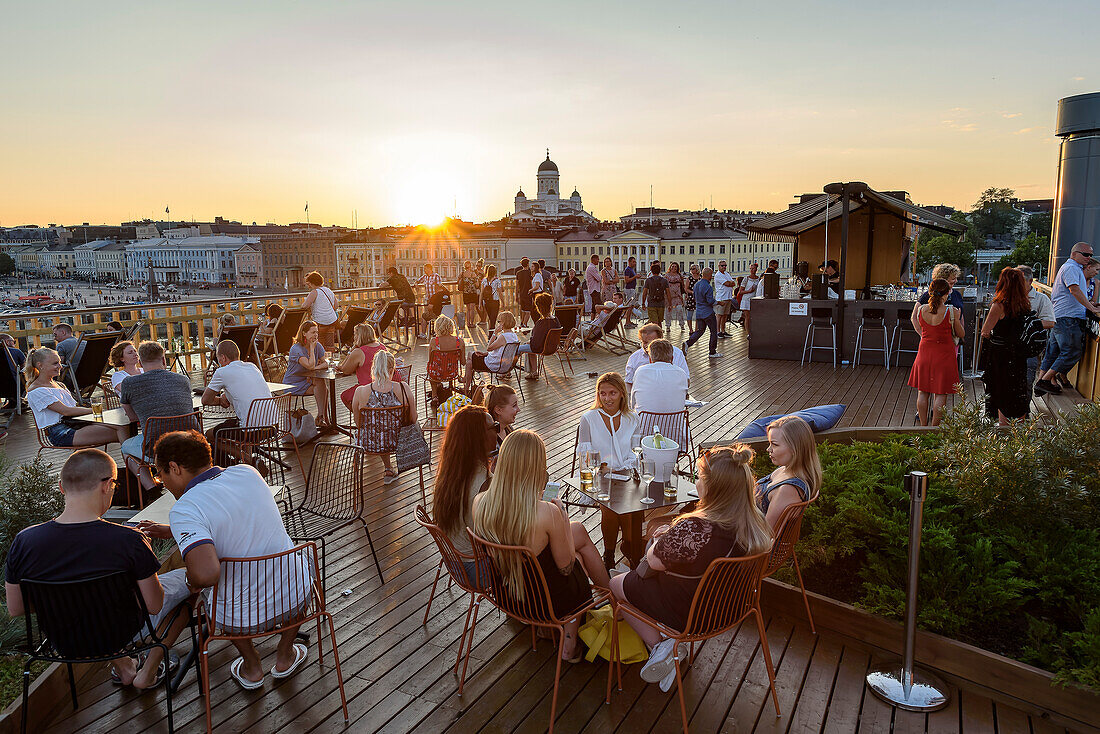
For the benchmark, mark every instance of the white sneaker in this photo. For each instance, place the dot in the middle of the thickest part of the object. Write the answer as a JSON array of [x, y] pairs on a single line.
[[668, 680], [660, 662], [716, 355]]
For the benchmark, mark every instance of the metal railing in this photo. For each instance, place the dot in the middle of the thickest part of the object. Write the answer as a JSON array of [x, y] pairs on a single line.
[[187, 329]]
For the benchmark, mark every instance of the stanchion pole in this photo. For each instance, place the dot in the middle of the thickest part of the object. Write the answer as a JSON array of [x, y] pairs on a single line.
[[902, 684]]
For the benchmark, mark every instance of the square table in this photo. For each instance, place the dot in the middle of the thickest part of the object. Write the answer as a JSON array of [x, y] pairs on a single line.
[[626, 503]]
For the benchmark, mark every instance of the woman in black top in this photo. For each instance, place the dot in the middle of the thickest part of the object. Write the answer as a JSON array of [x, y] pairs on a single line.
[[570, 286], [544, 307], [726, 523], [1007, 394]]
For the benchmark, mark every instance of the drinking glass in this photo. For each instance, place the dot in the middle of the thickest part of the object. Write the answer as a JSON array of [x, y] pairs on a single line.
[[648, 467], [97, 408], [669, 470], [604, 493]]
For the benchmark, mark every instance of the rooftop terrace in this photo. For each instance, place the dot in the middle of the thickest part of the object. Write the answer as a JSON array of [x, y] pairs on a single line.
[[397, 671]]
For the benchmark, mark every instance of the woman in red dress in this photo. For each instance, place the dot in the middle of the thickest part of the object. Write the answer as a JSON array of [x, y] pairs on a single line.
[[935, 371]]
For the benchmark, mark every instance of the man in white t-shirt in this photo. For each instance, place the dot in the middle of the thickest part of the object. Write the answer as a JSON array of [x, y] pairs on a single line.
[[723, 297], [230, 513], [647, 335], [660, 386], [242, 382]]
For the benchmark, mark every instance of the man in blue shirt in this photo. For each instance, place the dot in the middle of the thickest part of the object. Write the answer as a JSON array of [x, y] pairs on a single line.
[[1067, 342], [704, 314]]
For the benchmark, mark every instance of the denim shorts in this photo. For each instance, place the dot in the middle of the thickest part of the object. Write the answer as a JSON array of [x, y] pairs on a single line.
[[60, 434]]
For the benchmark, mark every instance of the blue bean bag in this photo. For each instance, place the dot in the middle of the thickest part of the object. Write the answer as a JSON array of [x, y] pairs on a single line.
[[820, 418]]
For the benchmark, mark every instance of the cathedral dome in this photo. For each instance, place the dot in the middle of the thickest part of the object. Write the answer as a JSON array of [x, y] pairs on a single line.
[[575, 194], [548, 165], [520, 194]]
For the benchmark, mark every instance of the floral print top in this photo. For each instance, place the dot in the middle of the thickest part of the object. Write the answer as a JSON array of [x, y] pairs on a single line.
[[691, 543]]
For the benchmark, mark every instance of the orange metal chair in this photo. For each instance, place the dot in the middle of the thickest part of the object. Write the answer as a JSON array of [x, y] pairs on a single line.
[[154, 428], [44, 441], [264, 596], [333, 499], [378, 435], [535, 609], [443, 367], [551, 347], [788, 530], [110, 397], [728, 593], [269, 434], [452, 559]]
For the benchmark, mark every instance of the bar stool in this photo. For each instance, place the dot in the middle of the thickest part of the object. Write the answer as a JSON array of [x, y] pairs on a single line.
[[902, 328], [873, 320], [821, 319]]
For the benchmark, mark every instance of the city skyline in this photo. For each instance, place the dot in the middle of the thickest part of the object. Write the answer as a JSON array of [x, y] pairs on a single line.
[[405, 115]]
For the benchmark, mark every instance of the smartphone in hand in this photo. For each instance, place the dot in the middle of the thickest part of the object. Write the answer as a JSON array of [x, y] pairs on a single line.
[[553, 489]]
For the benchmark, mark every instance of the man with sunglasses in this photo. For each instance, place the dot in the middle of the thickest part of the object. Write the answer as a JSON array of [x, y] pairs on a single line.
[[1071, 306], [80, 544]]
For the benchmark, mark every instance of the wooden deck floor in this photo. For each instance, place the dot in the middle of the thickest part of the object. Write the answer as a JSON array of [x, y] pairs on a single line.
[[397, 671]]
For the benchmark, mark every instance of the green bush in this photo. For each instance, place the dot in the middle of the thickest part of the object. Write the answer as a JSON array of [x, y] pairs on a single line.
[[1010, 549]]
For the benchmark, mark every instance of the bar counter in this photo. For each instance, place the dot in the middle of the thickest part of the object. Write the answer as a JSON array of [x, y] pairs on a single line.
[[777, 333]]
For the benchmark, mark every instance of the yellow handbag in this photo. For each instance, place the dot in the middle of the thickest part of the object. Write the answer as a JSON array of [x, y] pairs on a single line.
[[596, 634]]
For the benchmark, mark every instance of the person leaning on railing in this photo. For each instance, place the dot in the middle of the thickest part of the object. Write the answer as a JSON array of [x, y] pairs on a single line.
[[726, 523]]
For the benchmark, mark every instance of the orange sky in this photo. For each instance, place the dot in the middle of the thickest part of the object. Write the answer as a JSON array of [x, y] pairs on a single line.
[[405, 113]]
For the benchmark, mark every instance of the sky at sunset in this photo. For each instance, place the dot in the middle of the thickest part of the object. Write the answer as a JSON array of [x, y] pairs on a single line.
[[405, 111]]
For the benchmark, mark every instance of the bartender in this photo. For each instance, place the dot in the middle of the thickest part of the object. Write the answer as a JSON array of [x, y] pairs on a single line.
[[800, 279], [832, 273]]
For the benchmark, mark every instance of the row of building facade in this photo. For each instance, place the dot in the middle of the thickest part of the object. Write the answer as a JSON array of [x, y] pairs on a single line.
[[278, 257]]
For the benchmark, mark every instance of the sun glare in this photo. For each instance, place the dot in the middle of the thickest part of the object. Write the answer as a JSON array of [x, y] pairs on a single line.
[[430, 177]]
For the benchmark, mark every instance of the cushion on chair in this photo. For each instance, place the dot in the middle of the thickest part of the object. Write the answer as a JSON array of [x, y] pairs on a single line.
[[820, 418]]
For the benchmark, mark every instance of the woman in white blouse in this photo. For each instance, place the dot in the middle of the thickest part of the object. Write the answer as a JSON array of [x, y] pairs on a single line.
[[608, 427], [124, 357]]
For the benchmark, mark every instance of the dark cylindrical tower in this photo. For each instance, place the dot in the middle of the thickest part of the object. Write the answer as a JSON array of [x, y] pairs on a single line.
[[1077, 199]]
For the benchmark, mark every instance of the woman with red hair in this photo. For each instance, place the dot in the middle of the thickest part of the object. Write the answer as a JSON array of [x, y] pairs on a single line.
[[1007, 396]]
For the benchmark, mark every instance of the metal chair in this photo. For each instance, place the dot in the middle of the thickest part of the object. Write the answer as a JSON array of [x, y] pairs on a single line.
[[44, 440], [266, 433], [728, 593], [535, 608], [443, 367], [154, 428], [110, 397], [551, 346], [569, 316], [87, 621], [509, 363], [821, 319], [333, 499], [263, 596], [873, 320], [787, 533], [903, 328], [450, 557]]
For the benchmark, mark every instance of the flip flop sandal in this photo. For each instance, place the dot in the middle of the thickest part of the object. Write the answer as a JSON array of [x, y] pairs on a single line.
[[301, 652], [235, 671], [114, 673]]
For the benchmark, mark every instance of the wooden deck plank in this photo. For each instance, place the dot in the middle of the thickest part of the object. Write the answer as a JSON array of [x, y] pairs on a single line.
[[1011, 720], [398, 671], [946, 720], [976, 713]]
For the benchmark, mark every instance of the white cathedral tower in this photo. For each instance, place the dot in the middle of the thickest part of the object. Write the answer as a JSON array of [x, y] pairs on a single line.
[[548, 203]]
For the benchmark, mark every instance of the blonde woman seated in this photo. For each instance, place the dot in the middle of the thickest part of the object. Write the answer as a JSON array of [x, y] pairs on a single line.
[[360, 359], [55, 407], [608, 427], [382, 392], [452, 348], [726, 523], [511, 512], [797, 478], [489, 360]]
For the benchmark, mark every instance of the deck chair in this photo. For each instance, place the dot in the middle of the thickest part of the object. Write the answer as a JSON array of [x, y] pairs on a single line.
[[384, 322], [607, 337], [135, 328], [277, 344], [509, 363], [85, 376], [352, 317], [244, 336]]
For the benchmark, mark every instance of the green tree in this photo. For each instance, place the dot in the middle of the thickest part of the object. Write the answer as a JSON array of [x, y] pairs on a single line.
[[7, 265], [993, 214], [1041, 224], [1028, 251]]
